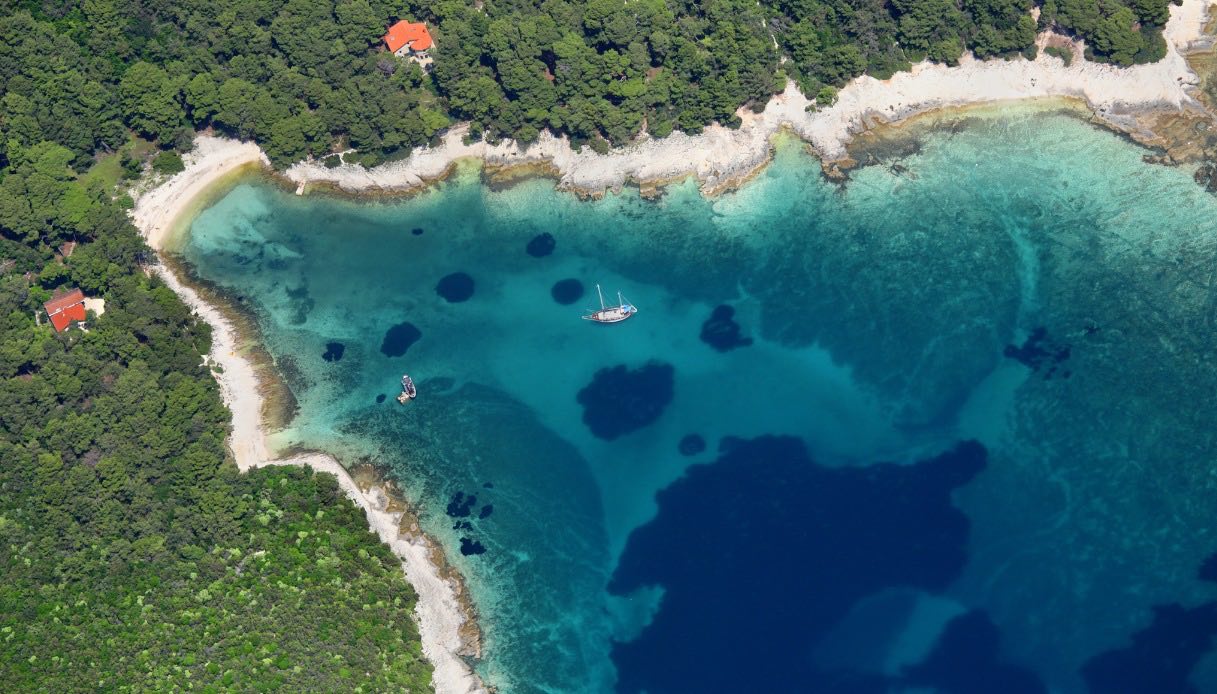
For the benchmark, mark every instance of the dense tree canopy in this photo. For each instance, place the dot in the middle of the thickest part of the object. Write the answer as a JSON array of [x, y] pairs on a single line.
[[131, 554], [310, 76]]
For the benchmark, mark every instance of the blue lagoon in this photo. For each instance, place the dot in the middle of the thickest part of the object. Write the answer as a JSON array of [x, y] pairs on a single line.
[[945, 426]]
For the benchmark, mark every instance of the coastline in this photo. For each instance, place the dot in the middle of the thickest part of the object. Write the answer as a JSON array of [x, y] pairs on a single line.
[[1129, 100], [443, 612], [1132, 100]]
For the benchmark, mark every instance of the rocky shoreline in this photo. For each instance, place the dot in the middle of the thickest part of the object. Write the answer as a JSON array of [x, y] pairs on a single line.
[[1143, 102]]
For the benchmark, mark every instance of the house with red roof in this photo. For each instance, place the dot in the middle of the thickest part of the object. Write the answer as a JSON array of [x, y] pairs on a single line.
[[65, 309], [408, 39]]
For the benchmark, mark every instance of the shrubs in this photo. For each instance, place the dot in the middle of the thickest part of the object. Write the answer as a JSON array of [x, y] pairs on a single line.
[[1063, 54], [168, 162]]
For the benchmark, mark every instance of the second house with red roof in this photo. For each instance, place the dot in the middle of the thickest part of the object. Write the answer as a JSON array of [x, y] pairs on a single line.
[[408, 39]]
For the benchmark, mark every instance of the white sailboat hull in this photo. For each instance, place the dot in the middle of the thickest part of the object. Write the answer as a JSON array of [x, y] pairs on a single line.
[[615, 314], [611, 314]]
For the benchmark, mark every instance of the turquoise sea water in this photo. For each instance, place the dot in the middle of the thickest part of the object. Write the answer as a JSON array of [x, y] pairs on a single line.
[[1023, 281]]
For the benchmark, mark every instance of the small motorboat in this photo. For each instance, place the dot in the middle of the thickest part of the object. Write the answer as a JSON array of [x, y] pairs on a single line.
[[611, 314], [408, 391]]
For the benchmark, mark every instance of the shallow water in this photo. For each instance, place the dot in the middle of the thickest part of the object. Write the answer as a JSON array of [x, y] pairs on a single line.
[[1023, 281]]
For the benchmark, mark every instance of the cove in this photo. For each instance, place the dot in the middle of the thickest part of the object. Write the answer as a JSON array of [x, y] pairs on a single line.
[[969, 397]]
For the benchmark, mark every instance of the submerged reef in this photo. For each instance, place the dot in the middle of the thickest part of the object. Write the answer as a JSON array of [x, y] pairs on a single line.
[[302, 304], [1040, 353], [541, 245], [567, 291], [1161, 657], [455, 288], [1208, 570], [333, 351], [620, 400], [399, 338], [966, 660], [721, 332], [472, 547], [758, 530], [461, 505], [691, 444]]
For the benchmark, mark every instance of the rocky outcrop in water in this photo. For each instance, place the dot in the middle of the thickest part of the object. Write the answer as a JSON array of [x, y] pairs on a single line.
[[620, 400], [399, 338], [721, 332], [455, 288]]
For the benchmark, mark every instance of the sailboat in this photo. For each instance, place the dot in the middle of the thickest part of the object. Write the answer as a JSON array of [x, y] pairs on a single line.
[[611, 314]]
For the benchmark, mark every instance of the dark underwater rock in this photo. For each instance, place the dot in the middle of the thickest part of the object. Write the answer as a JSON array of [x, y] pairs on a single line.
[[471, 547], [302, 304], [455, 288], [1208, 570], [567, 291], [763, 552], [691, 444], [541, 245], [333, 351], [417, 231], [966, 659], [620, 400], [1206, 176], [486, 511], [399, 338], [721, 332], [1162, 655], [461, 506], [1039, 353], [380, 398]]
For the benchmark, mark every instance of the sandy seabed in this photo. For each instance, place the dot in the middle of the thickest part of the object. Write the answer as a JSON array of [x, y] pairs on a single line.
[[719, 158]]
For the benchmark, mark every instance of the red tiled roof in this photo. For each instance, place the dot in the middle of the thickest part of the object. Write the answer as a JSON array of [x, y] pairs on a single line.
[[65, 309], [64, 301], [65, 317], [403, 33]]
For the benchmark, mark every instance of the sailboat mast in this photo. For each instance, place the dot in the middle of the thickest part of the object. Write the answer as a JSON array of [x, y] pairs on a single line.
[[601, 297], [620, 301]]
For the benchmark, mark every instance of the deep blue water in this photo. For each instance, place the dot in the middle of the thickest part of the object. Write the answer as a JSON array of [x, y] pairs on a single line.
[[946, 428]]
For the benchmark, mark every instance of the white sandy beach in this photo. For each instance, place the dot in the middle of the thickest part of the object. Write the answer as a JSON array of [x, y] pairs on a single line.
[[439, 613], [157, 210], [720, 156]]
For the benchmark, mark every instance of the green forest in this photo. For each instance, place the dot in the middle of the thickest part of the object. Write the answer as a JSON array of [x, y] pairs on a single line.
[[133, 556], [310, 76]]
